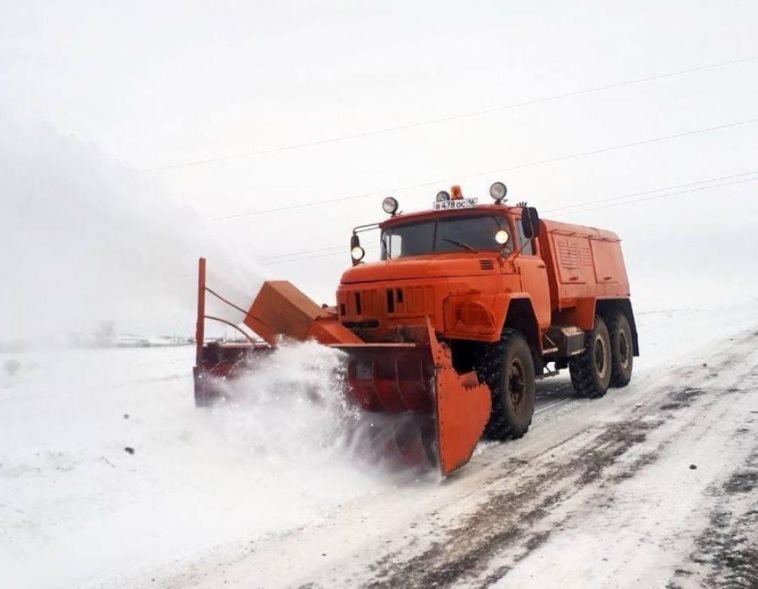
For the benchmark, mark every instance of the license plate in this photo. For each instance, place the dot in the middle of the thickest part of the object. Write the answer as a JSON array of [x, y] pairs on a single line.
[[454, 205]]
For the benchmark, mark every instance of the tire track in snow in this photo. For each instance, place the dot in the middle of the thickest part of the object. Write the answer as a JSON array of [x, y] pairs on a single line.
[[728, 549], [511, 520]]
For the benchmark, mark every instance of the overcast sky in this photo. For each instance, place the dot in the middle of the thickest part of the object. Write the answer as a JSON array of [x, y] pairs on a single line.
[[114, 90]]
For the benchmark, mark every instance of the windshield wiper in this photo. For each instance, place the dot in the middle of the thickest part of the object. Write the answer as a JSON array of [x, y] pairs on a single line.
[[461, 244]]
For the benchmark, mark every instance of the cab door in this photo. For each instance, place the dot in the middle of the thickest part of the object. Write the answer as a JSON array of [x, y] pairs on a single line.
[[533, 272]]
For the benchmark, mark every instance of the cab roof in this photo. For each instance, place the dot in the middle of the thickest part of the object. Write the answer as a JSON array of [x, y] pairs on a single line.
[[402, 218]]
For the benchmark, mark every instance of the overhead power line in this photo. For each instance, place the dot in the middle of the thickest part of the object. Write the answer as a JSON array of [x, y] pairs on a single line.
[[450, 118], [603, 202], [343, 251], [341, 248], [631, 198], [530, 164], [667, 195]]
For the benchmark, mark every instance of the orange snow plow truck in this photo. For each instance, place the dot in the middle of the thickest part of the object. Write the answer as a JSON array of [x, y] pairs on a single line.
[[469, 304]]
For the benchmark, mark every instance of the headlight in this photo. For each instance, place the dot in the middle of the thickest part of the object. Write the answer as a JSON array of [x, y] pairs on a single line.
[[442, 196], [498, 191], [357, 253], [502, 237], [390, 205]]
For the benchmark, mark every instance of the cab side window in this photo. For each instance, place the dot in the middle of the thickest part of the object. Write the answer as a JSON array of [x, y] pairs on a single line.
[[527, 246]]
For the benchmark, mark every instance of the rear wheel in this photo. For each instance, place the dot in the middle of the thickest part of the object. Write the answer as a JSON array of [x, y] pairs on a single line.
[[591, 370], [622, 352], [508, 369]]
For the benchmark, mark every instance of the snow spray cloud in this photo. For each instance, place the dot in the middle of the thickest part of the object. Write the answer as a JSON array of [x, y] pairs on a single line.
[[289, 408], [291, 411], [84, 240]]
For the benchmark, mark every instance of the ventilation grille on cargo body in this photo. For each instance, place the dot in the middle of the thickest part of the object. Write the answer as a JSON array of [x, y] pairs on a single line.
[[571, 254], [486, 264]]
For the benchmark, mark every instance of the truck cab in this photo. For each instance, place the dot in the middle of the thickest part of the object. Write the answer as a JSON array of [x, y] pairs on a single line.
[[460, 264]]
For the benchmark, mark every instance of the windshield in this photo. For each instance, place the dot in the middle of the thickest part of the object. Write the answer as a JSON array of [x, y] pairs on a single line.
[[443, 235]]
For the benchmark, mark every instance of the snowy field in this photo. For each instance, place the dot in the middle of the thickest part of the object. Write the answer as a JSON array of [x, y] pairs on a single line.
[[109, 477]]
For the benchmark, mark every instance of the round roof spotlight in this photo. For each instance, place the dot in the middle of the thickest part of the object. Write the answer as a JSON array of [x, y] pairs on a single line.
[[498, 191], [390, 205], [442, 196], [357, 253], [502, 237]]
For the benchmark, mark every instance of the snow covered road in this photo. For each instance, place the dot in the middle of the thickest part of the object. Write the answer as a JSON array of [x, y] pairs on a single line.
[[654, 485]]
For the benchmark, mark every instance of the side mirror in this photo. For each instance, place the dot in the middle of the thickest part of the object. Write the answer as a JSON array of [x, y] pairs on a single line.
[[355, 241], [530, 222]]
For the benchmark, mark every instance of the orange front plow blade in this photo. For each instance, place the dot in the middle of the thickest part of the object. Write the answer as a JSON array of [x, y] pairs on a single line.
[[417, 383]]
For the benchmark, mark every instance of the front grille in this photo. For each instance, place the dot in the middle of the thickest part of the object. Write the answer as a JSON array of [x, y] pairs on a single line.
[[358, 303], [369, 303], [410, 300]]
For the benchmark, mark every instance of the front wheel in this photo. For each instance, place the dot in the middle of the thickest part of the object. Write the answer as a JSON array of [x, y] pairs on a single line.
[[508, 369], [591, 370]]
